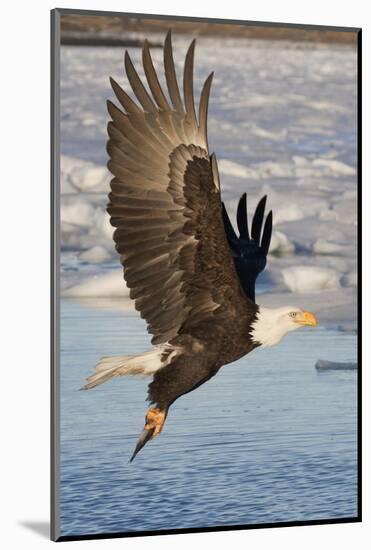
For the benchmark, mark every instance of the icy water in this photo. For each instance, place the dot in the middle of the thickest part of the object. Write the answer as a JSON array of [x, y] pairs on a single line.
[[269, 439]]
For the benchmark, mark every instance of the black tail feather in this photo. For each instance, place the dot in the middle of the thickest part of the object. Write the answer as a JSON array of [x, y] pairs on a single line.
[[243, 227], [249, 254], [257, 221], [267, 234]]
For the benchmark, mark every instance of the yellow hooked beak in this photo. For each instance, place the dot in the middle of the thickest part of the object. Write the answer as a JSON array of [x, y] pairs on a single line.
[[306, 318]]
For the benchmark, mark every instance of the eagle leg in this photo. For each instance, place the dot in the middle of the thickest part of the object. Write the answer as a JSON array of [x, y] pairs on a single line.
[[155, 420]]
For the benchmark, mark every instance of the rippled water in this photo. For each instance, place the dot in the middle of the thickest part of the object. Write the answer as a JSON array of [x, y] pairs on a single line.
[[269, 439]]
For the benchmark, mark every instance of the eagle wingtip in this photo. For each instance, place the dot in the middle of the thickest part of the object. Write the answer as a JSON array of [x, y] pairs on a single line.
[[127, 59]]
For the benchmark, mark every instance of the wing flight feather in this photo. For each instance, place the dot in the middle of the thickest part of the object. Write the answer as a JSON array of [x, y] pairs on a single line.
[[165, 202]]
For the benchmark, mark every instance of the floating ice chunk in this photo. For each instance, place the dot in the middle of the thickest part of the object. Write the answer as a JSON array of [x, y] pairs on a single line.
[[66, 186], [80, 213], [274, 135], [287, 212], [263, 170], [82, 175], [67, 228], [275, 169], [346, 211], [335, 166], [280, 243], [326, 106], [89, 120], [106, 285], [300, 161], [90, 177], [323, 246], [95, 255], [332, 365], [69, 163], [230, 168], [305, 278], [320, 167]]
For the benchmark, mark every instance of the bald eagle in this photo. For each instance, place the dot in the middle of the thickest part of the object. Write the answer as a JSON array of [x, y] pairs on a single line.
[[191, 278]]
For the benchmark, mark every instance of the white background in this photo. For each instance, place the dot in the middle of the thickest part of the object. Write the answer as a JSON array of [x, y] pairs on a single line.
[[24, 306]]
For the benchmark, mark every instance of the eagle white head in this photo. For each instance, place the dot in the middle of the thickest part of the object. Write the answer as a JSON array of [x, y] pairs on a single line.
[[272, 325]]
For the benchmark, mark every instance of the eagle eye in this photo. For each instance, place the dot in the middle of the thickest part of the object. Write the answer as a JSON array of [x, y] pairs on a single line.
[[292, 313]]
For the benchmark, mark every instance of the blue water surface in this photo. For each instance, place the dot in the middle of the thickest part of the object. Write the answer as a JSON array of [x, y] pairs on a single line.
[[269, 439]]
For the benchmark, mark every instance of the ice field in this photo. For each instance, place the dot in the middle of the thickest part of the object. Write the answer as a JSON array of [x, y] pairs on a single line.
[[282, 122]]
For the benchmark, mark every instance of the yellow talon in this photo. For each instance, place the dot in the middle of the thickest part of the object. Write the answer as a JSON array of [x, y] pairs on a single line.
[[155, 420]]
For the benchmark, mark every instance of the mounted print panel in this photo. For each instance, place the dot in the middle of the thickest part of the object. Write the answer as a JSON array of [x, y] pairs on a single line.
[[205, 188]]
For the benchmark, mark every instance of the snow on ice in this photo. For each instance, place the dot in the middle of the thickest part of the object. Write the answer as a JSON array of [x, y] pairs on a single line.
[[281, 122]]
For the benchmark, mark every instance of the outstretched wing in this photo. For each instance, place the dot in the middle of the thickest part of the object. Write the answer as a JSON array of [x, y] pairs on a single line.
[[165, 203], [249, 252]]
